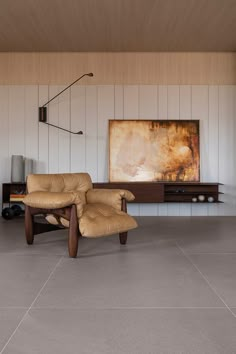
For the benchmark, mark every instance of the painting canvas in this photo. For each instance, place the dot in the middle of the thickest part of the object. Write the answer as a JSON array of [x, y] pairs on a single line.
[[154, 150]]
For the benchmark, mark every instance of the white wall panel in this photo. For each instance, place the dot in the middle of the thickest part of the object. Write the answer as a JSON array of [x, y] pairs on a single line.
[[213, 134], [213, 142], [148, 102], [78, 123], [199, 209], [227, 148], [119, 102], [43, 138], [31, 124], [131, 102], [16, 120], [200, 110], [91, 133], [173, 99], [105, 112], [53, 118], [163, 102], [185, 102], [64, 138]]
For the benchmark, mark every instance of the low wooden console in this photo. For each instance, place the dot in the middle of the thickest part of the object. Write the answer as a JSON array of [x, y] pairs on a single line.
[[145, 192], [171, 192]]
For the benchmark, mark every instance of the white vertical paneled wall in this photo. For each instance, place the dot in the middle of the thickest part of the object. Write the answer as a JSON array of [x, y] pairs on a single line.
[[42, 165], [89, 108], [77, 157], [227, 147]]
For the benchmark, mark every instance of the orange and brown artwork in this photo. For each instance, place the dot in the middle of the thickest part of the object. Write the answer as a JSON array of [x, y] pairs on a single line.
[[151, 150]]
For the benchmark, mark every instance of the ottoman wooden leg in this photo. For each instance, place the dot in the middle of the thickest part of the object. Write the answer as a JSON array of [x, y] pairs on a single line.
[[29, 228], [123, 237], [73, 233]]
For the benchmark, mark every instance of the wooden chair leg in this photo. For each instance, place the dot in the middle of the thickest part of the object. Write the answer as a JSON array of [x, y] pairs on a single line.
[[123, 237], [73, 233], [29, 227]]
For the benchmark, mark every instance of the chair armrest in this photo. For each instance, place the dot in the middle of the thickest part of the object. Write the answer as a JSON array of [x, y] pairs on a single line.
[[112, 197], [54, 200]]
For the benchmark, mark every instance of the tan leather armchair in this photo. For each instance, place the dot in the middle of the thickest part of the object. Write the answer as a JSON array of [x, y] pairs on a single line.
[[69, 200]]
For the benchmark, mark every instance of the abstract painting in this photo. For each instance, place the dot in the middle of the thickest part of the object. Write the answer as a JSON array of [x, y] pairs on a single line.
[[154, 150]]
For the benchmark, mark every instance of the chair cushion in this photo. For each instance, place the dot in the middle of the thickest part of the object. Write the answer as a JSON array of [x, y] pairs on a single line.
[[102, 220], [110, 197], [53, 200], [62, 182]]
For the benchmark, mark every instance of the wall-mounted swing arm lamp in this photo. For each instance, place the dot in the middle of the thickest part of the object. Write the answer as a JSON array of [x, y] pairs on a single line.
[[43, 109]]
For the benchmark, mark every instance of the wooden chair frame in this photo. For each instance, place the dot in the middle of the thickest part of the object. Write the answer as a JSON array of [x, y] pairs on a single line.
[[69, 213]]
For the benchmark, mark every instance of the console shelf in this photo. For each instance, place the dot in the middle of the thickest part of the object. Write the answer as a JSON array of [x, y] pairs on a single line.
[[9, 189], [184, 192], [170, 192], [145, 192]]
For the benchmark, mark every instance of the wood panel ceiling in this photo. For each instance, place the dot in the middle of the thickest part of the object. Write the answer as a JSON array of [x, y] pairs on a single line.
[[117, 25]]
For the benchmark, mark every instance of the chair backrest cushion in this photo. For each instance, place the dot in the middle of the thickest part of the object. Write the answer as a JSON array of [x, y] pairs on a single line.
[[61, 182]]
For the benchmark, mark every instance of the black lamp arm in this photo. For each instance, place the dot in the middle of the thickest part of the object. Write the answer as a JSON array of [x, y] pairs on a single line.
[[43, 109], [80, 132], [90, 74]]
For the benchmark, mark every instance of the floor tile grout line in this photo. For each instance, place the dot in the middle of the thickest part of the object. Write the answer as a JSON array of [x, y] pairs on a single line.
[[208, 282], [30, 307], [31, 255], [211, 253], [13, 307], [133, 308]]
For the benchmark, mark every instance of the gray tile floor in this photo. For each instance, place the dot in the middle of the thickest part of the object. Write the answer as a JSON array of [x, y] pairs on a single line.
[[171, 289]]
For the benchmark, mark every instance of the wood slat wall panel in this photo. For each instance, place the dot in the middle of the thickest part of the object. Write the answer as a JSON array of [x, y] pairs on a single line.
[[119, 68]]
